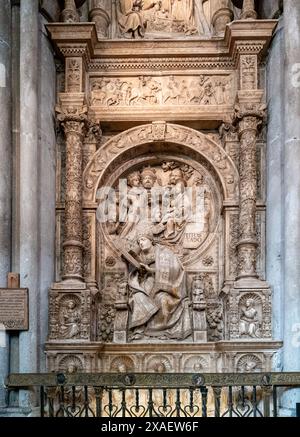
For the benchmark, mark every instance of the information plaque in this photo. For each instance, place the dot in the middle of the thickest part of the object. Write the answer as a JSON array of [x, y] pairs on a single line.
[[14, 309]]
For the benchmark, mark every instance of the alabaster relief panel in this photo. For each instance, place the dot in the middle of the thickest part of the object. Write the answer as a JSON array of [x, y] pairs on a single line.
[[167, 90], [134, 307], [69, 316], [164, 18], [250, 314], [134, 141]]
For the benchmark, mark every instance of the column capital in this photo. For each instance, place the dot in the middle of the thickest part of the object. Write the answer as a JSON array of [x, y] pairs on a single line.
[[249, 116], [73, 119]]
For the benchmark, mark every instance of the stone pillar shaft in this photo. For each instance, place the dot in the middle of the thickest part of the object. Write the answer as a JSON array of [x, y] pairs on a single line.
[[73, 246], [248, 11], [70, 14], [248, 186], [100, 16], [5, 170], [29, 199]]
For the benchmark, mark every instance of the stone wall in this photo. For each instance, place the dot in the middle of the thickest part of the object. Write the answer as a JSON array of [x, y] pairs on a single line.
[[27, 147]]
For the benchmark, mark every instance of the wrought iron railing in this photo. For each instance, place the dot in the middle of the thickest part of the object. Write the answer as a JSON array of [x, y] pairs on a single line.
[[157, 395]]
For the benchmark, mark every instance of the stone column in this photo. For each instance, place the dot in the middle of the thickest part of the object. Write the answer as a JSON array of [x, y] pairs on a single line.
[[100, 16], [74, 128], [249, 118], [248, 11], [29, 186], [5, 171], [70, 13], [291, 238], [222, 16]]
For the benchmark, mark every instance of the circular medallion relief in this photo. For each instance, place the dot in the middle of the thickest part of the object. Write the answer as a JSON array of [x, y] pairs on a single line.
[[175, 200]]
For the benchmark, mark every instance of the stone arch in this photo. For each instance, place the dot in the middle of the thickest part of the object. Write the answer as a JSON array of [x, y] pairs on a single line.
[[134, 140]]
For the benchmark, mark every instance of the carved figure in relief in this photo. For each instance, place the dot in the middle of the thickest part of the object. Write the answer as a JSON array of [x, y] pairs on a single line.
[[198, 290], [130, 18], [173, 91], [147, 91], [169, 90], [249, 323], [178, 212], [133, 201], [70, 320], [137, 17], [215, 323], [158, 299]]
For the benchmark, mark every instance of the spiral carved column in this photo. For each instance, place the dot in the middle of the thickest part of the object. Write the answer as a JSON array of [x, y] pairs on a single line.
[[74, 128], [248, 124]]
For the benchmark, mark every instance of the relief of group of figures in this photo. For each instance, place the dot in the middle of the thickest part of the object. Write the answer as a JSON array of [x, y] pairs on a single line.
[[169, 90], [137, 18], [165, 199], [163, 297]]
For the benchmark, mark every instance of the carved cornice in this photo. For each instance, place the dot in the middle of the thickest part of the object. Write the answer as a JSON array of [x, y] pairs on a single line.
[[159, 64], [240, 37]]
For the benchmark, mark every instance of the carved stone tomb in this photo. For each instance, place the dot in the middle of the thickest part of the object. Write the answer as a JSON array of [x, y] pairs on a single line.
[[161, 190]]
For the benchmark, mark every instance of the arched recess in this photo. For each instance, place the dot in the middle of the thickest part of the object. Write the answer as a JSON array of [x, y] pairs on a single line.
[[159, 138], [133, 141]]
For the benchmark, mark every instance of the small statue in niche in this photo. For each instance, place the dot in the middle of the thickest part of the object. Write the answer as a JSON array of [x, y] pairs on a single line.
[[131, 19], [177, 213], [133, 203], [198, 290], [158, 300], [70, 320], [249, 323]]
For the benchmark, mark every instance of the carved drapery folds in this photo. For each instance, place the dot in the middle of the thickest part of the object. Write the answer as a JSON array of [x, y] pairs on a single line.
[[74, 125]]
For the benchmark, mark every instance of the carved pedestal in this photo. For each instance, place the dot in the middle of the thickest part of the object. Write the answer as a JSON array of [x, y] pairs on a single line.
[[69, 313]]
